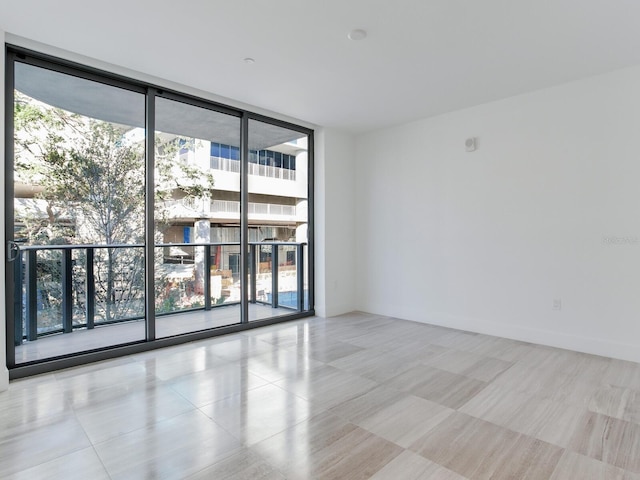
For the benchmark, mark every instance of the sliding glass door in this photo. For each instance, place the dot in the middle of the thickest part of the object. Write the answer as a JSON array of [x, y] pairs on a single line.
[[137, 217], [278, 220], [77, 214], [197, 218]]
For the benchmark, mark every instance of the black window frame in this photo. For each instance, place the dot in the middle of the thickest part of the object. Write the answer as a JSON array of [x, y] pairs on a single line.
[[16, 53]]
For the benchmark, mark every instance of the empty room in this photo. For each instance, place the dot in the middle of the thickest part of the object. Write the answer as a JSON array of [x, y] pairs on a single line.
[[320, 240]]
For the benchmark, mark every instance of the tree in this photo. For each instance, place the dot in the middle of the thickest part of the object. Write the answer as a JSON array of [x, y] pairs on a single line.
[[89, 182]]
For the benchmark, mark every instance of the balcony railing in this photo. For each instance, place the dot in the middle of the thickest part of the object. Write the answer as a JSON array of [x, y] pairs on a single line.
[[228, 165], [254, 209], [231, 208], [62, 288]]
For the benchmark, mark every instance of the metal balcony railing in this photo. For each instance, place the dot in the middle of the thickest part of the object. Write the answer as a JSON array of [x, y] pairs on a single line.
[[231, 207], [254, 209], [80, 281], [228, 165]]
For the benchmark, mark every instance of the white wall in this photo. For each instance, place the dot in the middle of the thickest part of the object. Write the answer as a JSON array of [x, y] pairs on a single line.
[[547, 208], [334, 222], [4, 373]]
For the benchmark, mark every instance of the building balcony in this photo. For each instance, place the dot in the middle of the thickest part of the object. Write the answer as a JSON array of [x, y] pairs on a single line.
[[228, 165], [230, 210]]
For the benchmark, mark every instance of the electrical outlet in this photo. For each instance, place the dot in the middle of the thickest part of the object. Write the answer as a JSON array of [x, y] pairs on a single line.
[[557, 304]]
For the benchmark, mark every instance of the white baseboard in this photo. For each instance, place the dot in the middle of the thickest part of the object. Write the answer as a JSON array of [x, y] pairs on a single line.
[[577, 343]]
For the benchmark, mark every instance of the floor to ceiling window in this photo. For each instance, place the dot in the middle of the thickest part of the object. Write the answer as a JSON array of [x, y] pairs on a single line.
[[278, 213], [195, 269], [121, 238]]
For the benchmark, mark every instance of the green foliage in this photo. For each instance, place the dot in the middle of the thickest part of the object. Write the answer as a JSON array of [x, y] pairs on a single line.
[[90, 177]]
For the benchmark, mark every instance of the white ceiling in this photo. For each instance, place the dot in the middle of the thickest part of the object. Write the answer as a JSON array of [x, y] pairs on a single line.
[[421, 57]]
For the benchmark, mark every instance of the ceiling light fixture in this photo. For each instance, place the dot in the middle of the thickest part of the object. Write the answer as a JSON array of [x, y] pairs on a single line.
[[249, 60], [357, 34]]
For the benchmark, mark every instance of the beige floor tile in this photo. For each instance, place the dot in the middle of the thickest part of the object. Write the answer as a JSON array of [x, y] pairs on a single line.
[[374, 364], [94, 386], [549, 384], [259, 413], [80, 465], [237, 347], [529, 458], [27, 401], [417, 350], [502, 349], [109, 366], [174, 448], [550, 358], [182, 362], [40, 441], [446, 388], [553, 422], [591, 367], [458, 339], [622, 374], [414, 338], [583, 366], [613, 441], [497, 404], [368, 404], [279, 364], [406, 420], [396, 416], [466, 445], [289, 335], [575, 466], [243, 465], [209, 386], [136, 409], [618, 402], [324, 349], [469, 364], [316, 449], [326, 387], [482, 450], [105, 374], [410, 466]]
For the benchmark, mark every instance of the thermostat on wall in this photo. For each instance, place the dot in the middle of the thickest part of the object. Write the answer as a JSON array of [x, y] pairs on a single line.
[[470, 144]]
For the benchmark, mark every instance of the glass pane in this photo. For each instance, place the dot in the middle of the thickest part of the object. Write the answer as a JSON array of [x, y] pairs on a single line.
[[278, 216], [215, 149], [197, 219], [79, 214]]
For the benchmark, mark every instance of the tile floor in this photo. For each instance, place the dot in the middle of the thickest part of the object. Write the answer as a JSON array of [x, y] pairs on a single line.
[[353, 397]]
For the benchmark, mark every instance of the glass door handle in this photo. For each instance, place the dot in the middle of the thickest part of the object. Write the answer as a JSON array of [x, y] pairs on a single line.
[[13, 250]]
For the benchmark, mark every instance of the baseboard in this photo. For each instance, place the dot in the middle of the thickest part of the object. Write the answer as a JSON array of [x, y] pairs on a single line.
[[576, 343]]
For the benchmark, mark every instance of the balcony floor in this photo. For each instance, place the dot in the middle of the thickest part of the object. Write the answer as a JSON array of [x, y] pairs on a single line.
[[120, 333]]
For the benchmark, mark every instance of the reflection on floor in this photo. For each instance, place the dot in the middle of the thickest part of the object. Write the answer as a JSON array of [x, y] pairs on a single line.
[[119, 333], [353, 397]]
